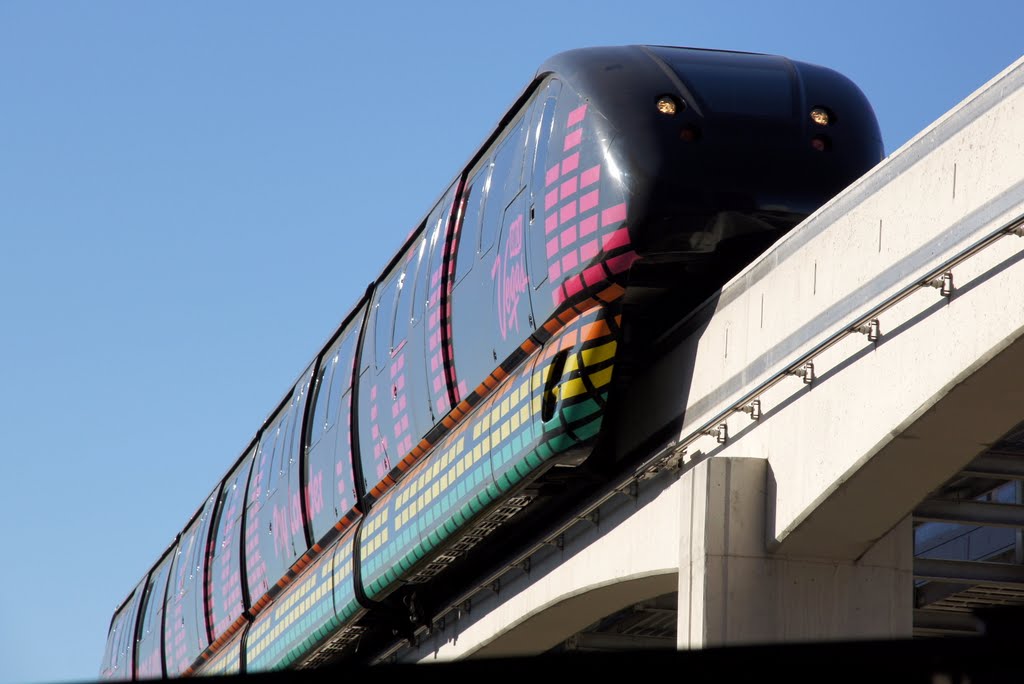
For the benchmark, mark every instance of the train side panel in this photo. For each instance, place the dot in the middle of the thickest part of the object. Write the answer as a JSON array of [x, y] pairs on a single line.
[[438, 353], [330, 477], [224, 587], [586, 251], [119, 657], [578, 237], [185, 633], [274, 522], [550, 406], [318, 607], [301, 609], [394, 536], [395, 404], [485, 330], [228, 658], [150, 649]]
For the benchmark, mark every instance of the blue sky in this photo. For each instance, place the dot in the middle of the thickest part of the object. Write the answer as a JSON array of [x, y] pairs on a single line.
[[192, 195]]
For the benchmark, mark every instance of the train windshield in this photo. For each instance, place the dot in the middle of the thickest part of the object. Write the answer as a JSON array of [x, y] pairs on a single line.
[[734, 83]]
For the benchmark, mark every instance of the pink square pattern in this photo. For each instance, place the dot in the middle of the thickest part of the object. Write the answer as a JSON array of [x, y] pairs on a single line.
[[577, 226]]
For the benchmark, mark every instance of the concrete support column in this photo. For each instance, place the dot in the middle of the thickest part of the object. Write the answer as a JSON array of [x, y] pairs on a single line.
[[732, 591]]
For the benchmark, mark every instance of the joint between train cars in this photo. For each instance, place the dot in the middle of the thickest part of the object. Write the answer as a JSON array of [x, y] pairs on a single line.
[[357, 461], [401, 613]]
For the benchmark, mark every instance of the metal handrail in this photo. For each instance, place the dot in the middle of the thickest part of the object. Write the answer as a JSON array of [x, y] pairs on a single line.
[[941, 277]]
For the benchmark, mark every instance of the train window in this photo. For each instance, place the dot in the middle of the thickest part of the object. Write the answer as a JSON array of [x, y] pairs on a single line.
[[114, 641], [342, 379], [121, 639], [184, 599], [182, 562], [154, 599], [543, 121], [335, 377], [150, 651], [298, 409], [320, 421], [506, 176], [152, 607], [403, 305], [108, 657], [288, 435], [266, 458], [418, 286], [428, 284], [385, 316], [279, 470], [469, 233], [224, 588], [329, 480], [195, 565]]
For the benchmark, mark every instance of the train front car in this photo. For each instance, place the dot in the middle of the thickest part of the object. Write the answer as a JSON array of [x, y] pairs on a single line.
[[719, 153]]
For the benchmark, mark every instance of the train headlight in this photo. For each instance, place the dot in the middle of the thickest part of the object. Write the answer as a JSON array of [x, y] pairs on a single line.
[[821, 116], [667, 105]]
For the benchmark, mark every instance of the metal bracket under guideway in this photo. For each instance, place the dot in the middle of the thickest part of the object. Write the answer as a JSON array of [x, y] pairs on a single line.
[[720, 433], [804, 372], [943, 283]]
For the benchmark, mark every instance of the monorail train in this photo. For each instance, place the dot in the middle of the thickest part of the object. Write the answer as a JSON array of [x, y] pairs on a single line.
[[484, 353]]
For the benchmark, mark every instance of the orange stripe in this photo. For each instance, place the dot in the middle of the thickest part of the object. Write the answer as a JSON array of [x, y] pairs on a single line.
[[611, 293], [586, 305], [595, 330]]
